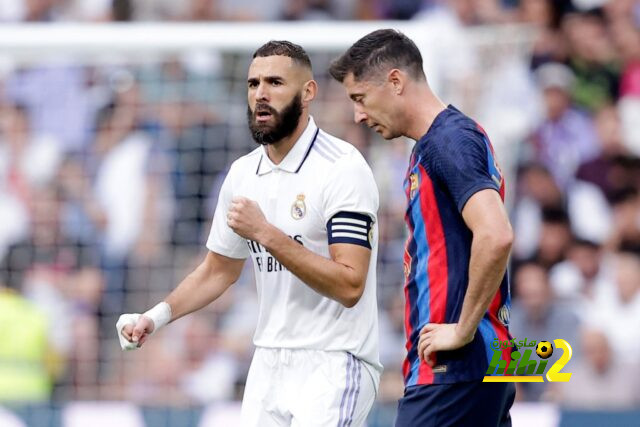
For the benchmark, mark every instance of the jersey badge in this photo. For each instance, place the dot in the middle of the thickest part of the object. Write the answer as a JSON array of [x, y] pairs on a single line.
[[504, 315], [413, 178], [406, 264], [298, 208]]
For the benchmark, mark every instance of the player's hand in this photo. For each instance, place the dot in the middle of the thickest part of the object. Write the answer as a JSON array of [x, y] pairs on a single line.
[[439, 336], [246, 218], [134, 330]]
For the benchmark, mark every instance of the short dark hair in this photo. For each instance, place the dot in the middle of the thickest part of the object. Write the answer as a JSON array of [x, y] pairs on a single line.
[[284, 48], [381, 48], [555, 216]]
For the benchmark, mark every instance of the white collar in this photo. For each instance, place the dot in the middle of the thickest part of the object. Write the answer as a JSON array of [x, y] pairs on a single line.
[[296, 157]]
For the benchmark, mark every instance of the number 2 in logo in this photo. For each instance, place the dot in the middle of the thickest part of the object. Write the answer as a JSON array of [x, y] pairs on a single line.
[[554, 374]]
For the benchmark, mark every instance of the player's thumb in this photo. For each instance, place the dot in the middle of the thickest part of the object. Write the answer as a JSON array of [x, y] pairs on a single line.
[[139, 330]]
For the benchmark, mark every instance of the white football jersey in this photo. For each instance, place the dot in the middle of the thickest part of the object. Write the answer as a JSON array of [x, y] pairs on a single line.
[[323, 188]]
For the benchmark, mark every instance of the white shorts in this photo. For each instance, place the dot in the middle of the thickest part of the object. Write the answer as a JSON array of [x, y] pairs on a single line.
[[306, 388]]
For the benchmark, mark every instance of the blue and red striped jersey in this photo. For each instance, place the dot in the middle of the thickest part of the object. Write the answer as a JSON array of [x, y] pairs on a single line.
[[450, 163]]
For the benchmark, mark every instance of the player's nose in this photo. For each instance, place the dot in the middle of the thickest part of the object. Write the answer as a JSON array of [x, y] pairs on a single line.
[[359, 116], [262, 93]]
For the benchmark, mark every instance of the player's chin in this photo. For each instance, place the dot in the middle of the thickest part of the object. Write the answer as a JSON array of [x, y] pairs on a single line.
[[386, 134], [263, 124]]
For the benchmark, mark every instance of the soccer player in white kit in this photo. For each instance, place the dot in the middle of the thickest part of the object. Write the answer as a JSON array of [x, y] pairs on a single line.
[[303, 207]]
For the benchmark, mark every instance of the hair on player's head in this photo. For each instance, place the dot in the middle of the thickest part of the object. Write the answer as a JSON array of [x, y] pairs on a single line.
[[284, 48], [376, 52]]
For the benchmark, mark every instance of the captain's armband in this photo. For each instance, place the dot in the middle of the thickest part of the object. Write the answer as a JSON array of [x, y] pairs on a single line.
[[350, 227]]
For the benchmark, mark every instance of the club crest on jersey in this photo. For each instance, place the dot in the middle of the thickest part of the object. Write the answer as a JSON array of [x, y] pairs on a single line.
[[406, 263], [413, 179], [503, 315], [298, 208]]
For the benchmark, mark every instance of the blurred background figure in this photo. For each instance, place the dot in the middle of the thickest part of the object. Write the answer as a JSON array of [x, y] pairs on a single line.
[[27, 365], [599, 380], [619, 304], [567, 136], [538, 315]]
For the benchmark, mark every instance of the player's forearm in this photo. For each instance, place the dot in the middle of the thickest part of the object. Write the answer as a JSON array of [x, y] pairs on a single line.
[[201, 287], [332, 279], [489, 257]]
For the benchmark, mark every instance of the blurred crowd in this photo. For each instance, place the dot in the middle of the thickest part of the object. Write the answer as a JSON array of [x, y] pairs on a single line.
[[109, 176]]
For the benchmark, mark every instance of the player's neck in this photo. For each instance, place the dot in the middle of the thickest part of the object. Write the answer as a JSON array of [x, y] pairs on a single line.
[[279, 150], [426, 107]]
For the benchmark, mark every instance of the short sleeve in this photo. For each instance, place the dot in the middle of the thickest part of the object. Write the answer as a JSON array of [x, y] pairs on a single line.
[[464, 165], [222, 239], [350, 187]]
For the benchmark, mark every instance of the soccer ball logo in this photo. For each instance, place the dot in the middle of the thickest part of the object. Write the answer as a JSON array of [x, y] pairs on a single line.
[[544, 349]]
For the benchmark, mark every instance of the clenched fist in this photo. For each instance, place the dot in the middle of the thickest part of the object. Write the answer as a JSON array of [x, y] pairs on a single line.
[[133, 330], [246, 218]]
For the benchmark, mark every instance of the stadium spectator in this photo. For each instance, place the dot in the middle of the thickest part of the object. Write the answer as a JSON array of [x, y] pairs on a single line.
[[205, 361], [538, 316], [443, 30], [619, 304], [27, 160], [577, 278], [549, 45], [599, 380], [61, 277], [27, 364], [566, 138], [555, 237], [627, 38], [58, 102], [130, 186], [607, 169], [592, 59], [184, 92], [625, 233], [537, 191]]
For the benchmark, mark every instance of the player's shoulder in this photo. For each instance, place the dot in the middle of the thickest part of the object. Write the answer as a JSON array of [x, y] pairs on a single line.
[[336, 151], [455, 132]]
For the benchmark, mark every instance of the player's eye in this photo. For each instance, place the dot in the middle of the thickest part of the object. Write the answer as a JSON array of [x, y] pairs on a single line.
[[252, 84], [276, 83]]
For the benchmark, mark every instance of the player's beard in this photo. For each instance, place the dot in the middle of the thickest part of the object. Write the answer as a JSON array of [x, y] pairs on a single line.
[[284, 122]]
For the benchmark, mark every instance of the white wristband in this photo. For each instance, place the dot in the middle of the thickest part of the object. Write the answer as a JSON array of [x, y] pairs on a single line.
[[160, 315]]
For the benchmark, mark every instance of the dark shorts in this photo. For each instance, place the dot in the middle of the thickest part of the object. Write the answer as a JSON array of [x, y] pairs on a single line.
[[474, 404]]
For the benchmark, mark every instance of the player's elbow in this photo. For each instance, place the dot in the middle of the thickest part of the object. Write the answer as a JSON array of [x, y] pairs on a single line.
[[350, 301], [496, 240], [502, 240], [352, 293]]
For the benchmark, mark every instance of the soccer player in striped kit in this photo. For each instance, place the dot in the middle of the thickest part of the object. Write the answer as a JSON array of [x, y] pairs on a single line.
[[455, 259], [303, 206]]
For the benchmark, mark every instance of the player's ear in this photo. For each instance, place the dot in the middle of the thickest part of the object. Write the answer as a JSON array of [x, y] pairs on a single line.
[[309, 90], [397, 79]]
